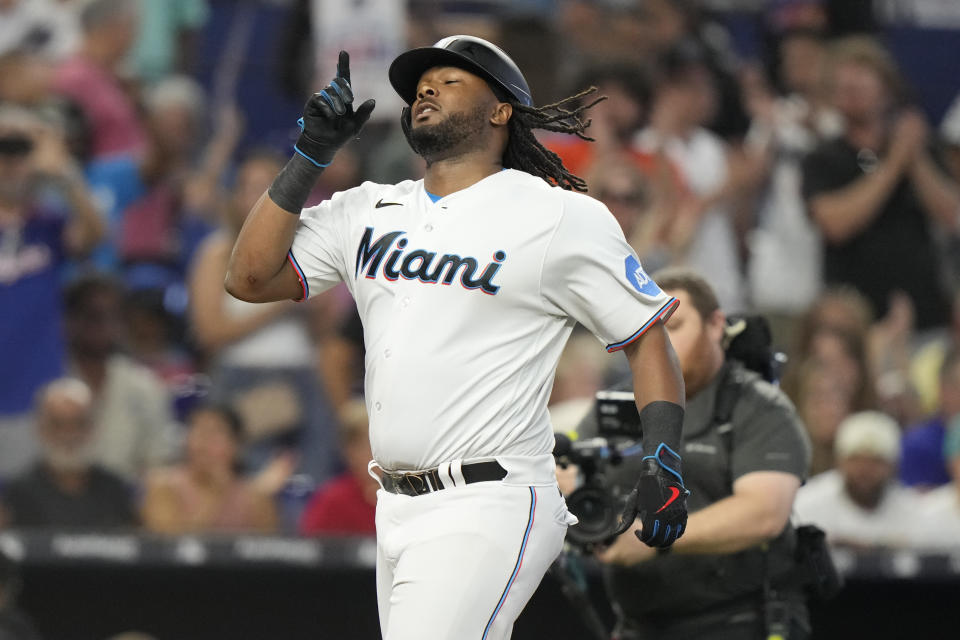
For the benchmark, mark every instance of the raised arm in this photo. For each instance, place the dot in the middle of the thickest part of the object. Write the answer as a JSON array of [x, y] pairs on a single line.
[[259, 270], [51, 158], [842, 213], [938, 193]]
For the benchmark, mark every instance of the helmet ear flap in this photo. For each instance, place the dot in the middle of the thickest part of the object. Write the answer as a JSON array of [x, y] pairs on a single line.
[[405, 123]]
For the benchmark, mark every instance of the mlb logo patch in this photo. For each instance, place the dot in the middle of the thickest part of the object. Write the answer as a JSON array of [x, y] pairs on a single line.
[[639, 279]]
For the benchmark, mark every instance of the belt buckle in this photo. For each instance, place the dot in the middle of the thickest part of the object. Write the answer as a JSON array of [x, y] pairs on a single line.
[[421, 487]]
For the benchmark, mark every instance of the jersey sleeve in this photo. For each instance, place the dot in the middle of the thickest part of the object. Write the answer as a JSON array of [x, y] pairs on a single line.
[[768, 435], [316, 254], [592, 275]]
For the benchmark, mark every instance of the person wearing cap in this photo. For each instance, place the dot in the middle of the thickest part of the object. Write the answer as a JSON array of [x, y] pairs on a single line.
[[861, 503], [940, 508], [468, 283]]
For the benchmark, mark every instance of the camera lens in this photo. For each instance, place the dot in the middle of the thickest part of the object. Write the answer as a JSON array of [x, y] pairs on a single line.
[[594, 508]]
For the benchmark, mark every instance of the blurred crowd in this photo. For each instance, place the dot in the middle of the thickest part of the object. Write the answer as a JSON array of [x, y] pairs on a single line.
[[807, 185]]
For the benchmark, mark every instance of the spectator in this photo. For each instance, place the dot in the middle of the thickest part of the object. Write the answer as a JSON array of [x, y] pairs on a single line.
[[26, 80], [926, 360], [66, 488], [876, 192], [342, 364], [135, 429], [154, 337], [837, 327], [843, 354], [643, 188], [614, 121], [46, 215], [167, 38], [784, 261], [685, 99], [923, 465], [45, 26], [205, 493], [861, 503], [657, 214], [257, 349], [91, 77], [14, 625], [891, 348], [142, 192], [346, 504], [940, 526], [664, 24], [823, 402], [840, 307]]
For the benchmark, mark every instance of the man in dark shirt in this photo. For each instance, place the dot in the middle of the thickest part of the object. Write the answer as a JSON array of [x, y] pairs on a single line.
[[65, 489], [14, 625], [875, 192], [744, 471]]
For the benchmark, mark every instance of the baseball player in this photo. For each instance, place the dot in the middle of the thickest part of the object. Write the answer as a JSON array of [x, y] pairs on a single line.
[[468, 283]]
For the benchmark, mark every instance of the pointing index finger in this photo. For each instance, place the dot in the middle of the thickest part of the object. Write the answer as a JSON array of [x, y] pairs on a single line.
[[343, 66]]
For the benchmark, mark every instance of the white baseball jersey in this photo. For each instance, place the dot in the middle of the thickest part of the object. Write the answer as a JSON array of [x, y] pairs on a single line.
[[467, 303]]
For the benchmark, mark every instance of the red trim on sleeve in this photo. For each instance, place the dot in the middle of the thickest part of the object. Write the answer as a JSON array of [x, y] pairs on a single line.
[[663, 314], [300, 277]]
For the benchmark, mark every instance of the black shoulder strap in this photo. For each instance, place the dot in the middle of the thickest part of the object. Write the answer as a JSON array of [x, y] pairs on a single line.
[[728, 393]]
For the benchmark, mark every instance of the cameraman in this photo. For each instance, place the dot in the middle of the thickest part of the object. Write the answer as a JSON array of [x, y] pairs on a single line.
[[730, 576]]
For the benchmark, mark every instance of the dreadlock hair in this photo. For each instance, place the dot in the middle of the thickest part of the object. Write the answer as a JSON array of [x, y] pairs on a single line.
[[525, 153]]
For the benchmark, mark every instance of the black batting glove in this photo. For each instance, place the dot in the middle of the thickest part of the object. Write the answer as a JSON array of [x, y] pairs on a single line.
[[329, 119], [659, 500]]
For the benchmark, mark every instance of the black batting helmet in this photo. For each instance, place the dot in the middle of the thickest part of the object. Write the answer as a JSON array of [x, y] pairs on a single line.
[[475, 55]]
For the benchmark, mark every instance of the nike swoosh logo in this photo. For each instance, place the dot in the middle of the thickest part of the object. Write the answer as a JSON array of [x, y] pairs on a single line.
[[381, 204], [676, 494]]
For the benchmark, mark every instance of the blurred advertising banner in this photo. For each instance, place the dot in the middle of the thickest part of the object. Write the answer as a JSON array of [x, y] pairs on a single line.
[[373, 32]]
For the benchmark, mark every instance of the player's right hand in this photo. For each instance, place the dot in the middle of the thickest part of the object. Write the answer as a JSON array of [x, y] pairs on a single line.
[[329, 119]]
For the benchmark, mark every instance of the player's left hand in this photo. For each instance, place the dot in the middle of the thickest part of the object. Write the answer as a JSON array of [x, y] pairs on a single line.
[[659, 500]]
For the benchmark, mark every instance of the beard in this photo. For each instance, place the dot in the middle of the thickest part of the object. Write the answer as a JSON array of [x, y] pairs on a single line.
[[865, 494], [67, 459], [448, 138]]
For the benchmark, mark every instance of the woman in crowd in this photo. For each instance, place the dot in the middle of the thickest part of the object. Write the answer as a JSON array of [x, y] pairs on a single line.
[[206, 493], [261, 356]]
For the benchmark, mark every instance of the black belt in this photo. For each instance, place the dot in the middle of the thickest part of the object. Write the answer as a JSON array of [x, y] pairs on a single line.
[[417, 483]]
